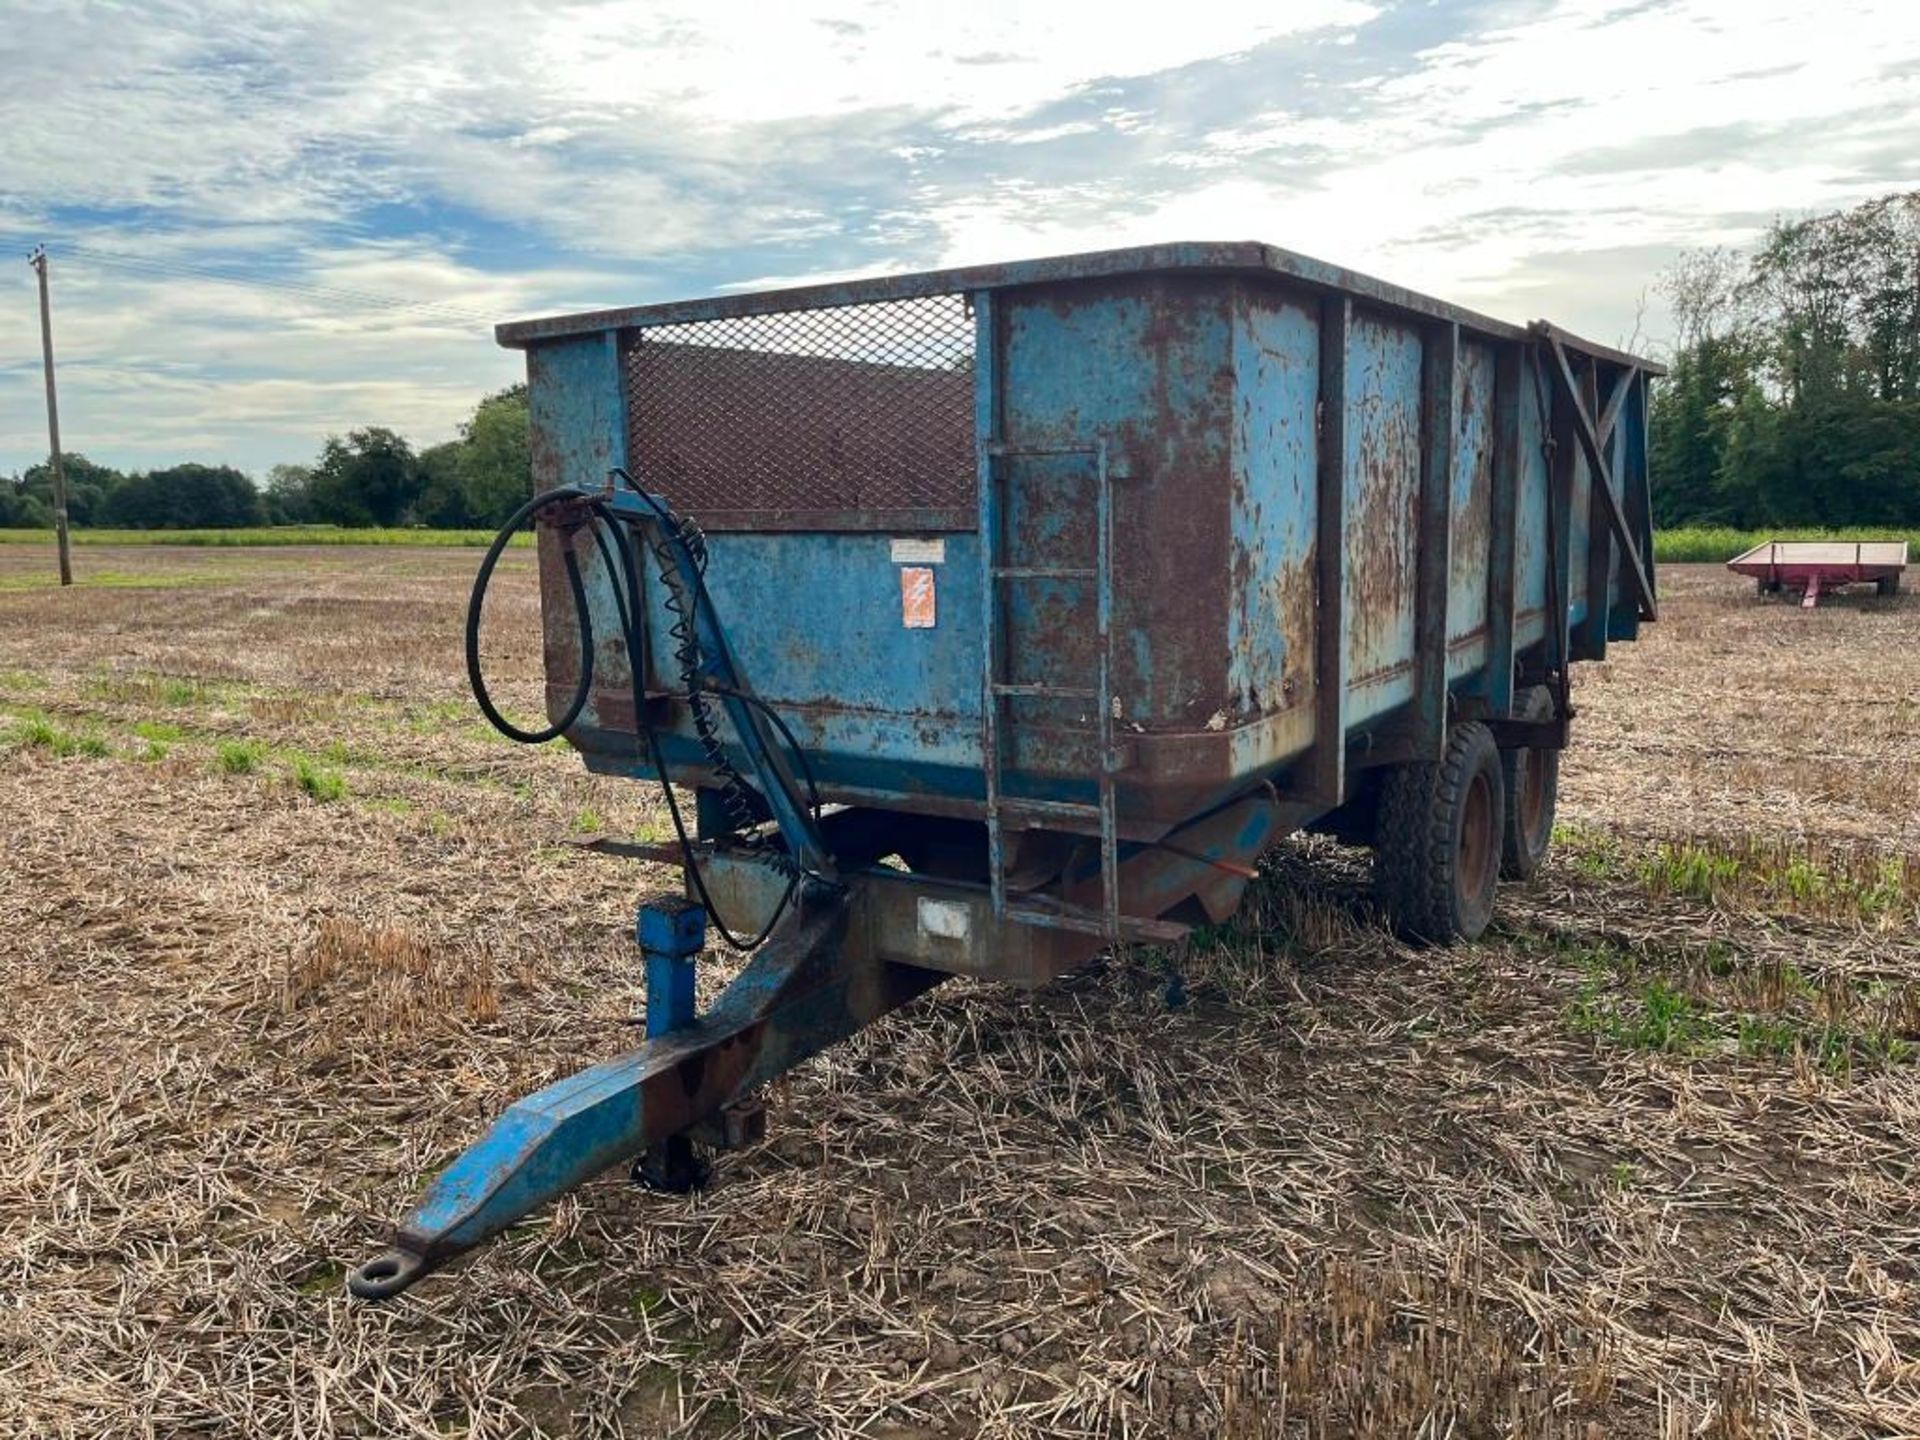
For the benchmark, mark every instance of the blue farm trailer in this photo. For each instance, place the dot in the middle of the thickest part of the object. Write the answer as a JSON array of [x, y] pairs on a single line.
[[989, 617]]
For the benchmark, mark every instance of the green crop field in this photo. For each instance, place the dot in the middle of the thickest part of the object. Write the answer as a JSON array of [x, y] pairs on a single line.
[[267, 535], [1712, 543]]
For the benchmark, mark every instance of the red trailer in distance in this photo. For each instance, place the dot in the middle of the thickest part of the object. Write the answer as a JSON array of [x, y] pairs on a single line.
[[1813, 568]]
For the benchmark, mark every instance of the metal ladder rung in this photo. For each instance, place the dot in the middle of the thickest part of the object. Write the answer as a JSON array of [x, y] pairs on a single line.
[[1059, 916], [1049, 810], [1047, 692], [1045, 572], [1002, 448]]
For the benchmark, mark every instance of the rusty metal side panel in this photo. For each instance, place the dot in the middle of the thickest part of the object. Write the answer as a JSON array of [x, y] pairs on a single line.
[[577, 410], [1470, 514], [1530, 514], [1143, 364], [1384, 361], [1271, 611]]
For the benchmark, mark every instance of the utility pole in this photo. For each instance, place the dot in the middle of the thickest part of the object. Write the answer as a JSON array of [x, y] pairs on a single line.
[[39, 262]]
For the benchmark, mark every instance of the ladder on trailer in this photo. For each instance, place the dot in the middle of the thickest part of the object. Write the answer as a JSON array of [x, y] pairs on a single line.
[[998, 690]]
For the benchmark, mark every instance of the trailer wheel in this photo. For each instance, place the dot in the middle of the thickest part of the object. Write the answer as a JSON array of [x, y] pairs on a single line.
[[1531, 779], [1887, 585], [1436, 858]]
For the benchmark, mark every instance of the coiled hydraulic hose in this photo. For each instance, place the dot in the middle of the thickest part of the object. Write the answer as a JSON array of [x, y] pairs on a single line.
[[623, 579], [478, 599]]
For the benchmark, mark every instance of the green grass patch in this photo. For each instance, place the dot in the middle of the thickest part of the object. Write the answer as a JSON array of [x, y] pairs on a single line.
[[1773, 1036], [175, 691], [588, 822], [1717, 544], [433, 716], [185, 692], [328, 1279], [1700, 1001], [1824, 881], [1695, 871], [418, 538], [86, 578], [238, 757], [1594, 853], [1653, 1016], [164, 731], [37, 732], [322, 784], [1774, 875]]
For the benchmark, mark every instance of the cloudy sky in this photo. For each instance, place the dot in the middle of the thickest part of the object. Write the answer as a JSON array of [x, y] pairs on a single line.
[[493, 158]]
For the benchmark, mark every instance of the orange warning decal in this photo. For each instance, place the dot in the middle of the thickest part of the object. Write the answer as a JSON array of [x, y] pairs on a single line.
[[916, 597]]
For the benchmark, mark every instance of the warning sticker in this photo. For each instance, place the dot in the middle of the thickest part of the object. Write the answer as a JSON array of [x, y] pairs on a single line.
[[916, 597], [920, 552]]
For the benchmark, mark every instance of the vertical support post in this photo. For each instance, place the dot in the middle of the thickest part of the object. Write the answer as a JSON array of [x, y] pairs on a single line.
[[1638, 499], [1103, 624], [1439, 427], [39, 262], [986, 440], [577, 407], [671, 930], [1593, 627], [1560, 531], [1326, 780], [1503, 508]]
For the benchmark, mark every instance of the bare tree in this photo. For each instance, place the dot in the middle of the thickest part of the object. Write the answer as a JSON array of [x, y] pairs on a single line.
[[1705, 287]]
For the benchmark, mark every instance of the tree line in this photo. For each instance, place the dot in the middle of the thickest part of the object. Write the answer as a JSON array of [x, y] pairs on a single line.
[[1794, 392], [364, 478]]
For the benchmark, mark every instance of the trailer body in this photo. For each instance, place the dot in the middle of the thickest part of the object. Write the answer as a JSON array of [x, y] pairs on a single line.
[[1217, 515], [1812, 568], [1040, 599]]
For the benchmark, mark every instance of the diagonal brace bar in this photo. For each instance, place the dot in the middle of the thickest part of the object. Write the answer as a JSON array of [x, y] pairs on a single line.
[[799, 995], [1591, 445]]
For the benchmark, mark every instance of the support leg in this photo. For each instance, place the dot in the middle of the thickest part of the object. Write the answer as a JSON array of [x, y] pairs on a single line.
[[671, 930]]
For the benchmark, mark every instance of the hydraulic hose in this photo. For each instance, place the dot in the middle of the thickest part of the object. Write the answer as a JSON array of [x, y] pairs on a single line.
[[624, 580], [478, 599]]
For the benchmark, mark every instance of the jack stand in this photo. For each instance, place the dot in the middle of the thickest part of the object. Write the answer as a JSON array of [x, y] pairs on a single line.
[[672, 1168], [671, 930]]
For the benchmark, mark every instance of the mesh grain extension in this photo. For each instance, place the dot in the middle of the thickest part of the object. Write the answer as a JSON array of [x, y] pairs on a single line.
[[857, 417]]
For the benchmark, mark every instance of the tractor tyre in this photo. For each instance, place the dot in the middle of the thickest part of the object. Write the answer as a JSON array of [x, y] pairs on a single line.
[[1532, 782], [1436, 858]]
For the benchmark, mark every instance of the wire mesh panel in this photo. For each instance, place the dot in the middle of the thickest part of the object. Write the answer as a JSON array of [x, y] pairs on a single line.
[[855, 417]]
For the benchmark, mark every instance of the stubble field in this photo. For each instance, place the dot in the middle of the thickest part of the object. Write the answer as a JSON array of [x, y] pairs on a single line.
[[282, 927]]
